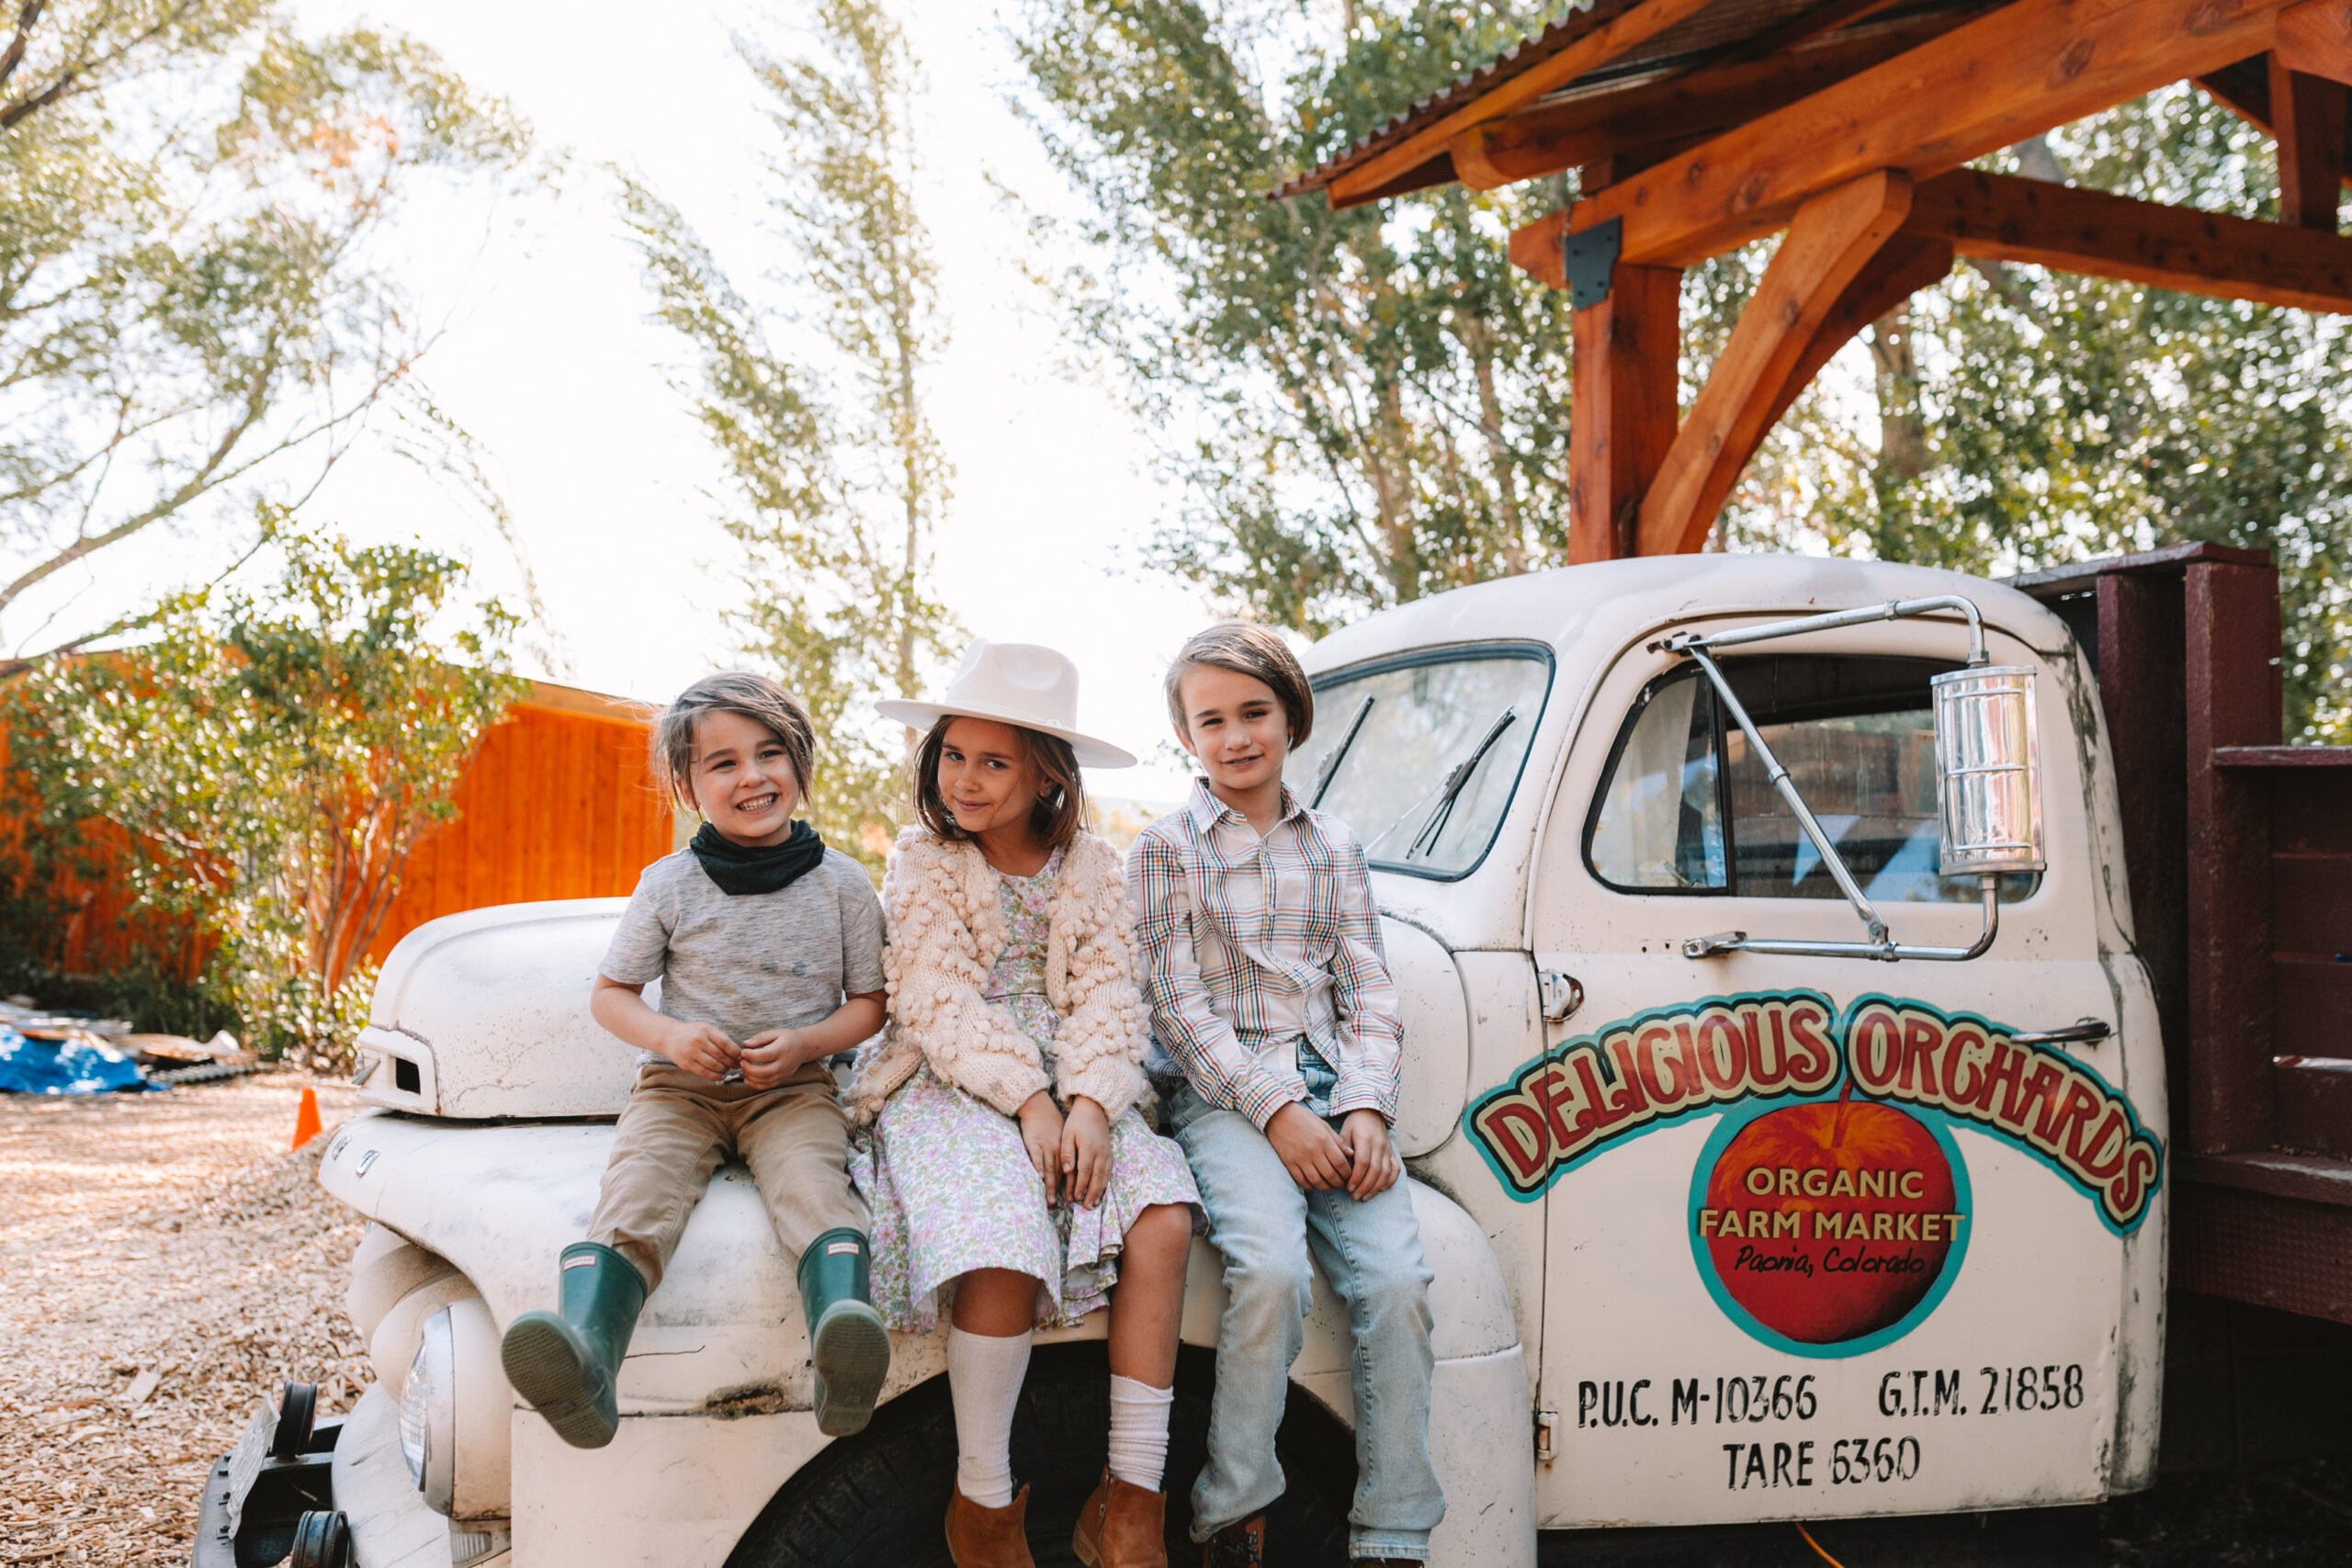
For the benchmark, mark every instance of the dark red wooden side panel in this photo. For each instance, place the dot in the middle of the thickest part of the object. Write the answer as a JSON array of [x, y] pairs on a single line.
[[2141, 687], [2231, 646], [2260, 1247], [2311, 870]]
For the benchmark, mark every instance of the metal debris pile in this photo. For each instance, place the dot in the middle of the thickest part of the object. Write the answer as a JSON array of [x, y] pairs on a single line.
[[166, 1263], [66, 1053]]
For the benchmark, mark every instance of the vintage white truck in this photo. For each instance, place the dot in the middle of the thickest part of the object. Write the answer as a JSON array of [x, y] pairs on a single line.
[[1767, 1171]]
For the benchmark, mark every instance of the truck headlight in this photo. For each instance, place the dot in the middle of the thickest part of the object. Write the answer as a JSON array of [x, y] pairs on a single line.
[[455, 1415], [429, 1412]]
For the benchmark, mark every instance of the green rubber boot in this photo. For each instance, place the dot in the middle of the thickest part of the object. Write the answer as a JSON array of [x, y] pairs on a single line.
[[566, 1363], [848, 1345]]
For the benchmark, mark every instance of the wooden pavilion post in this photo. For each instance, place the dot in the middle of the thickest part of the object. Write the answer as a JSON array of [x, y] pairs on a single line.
[[1626, 392], [2308, 114]]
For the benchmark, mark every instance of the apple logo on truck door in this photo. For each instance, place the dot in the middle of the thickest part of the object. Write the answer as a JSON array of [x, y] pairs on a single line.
[[1831, 1228]]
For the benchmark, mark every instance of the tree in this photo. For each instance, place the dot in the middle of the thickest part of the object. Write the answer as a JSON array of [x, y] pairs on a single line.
[[277, 756], [1358, 408], [836, 483], [189, 198]]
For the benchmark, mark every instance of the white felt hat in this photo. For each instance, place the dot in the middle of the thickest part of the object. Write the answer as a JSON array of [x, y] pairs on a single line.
[[1018, 684]]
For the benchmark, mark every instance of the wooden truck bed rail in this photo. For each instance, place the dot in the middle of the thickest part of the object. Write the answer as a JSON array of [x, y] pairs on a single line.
[[2240, 850]]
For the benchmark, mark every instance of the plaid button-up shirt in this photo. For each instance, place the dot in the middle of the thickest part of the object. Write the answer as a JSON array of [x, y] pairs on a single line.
[[1254, 946]]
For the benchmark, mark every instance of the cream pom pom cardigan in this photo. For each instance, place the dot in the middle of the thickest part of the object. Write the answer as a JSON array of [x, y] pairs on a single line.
[[947, 930]]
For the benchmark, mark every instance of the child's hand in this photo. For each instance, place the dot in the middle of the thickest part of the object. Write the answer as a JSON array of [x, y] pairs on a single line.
[[1310, 1150], [772, 1055], [1041, 1132], [1372, 1153], [702, 1049], [1086, 1152]]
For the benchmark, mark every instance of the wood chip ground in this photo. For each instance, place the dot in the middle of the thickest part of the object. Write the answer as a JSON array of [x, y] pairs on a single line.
[[164, 1262]]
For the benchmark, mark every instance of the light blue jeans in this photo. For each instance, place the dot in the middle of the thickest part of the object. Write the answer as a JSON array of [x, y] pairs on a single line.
[[1267, 1226]]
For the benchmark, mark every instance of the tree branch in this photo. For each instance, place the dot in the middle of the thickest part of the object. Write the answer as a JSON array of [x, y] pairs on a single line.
[[14, 55]]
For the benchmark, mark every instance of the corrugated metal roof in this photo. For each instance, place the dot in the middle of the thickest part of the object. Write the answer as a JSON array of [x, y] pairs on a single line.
[[1518, 57]]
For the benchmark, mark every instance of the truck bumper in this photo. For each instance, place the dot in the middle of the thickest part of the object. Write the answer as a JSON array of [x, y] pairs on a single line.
[[259, 1492], [253, 1512]]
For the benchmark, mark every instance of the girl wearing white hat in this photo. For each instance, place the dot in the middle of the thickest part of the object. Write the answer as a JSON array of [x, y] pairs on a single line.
[[1007, 1169]]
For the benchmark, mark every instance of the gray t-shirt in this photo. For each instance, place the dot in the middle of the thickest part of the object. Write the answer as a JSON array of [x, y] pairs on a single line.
[[753, 960]]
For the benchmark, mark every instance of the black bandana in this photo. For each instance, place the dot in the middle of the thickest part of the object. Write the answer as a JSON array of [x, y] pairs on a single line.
[[752, 868]]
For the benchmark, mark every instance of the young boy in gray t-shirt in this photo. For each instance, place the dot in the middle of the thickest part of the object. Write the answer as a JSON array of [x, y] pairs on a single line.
[[768, 947]]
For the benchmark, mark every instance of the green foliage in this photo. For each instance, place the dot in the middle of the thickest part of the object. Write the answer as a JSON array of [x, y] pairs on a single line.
[[836, 483], [276, 756], [190, 194], [1359, 407]]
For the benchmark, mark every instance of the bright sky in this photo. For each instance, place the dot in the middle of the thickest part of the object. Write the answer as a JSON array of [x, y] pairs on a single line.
[[548, 358]]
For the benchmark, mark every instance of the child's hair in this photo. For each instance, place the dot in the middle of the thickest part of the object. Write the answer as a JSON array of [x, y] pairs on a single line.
[[757, 698], [1246, 650], [1060, 810]]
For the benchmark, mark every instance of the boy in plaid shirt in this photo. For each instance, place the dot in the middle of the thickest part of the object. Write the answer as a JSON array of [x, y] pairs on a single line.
[[1263, 969]]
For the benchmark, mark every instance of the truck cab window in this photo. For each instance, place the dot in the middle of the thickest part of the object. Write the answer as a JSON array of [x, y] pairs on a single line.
[[1425, 772], [1661, 818], [1687, 807]]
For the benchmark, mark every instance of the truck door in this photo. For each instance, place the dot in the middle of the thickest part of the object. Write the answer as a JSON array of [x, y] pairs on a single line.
[[1828, 1234]]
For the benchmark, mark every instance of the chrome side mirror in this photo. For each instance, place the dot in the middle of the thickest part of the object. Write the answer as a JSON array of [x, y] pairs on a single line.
[[1988, 778]]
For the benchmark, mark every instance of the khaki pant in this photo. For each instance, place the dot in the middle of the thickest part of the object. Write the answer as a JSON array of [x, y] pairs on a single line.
[[678, 1127]]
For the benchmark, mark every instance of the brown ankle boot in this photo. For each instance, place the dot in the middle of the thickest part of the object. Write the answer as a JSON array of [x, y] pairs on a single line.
[[1122, 1526], [988, 1537], [1236, 1546]]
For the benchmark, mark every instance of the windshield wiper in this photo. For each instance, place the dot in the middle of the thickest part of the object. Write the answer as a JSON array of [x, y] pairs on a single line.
[[1324, 774], [1442, 812]]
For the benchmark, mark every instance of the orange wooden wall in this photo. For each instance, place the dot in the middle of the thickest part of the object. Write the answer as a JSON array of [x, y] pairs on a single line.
[[556, 803], [103, 928]]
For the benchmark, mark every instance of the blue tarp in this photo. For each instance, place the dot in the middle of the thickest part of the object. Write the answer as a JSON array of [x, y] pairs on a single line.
[[62, 1066]]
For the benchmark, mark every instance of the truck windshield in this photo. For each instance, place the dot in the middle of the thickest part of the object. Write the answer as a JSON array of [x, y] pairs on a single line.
[[1688, 808], [1435, 758]]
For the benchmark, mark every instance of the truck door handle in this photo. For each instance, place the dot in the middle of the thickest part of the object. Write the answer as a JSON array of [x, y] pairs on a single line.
[[1562, 995], [2082, 1032]]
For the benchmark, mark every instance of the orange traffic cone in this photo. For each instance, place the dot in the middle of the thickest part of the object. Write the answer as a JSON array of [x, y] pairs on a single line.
[[306, 1120]]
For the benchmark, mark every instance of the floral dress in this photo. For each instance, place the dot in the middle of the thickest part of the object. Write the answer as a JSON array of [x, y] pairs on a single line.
[[949, 1179]]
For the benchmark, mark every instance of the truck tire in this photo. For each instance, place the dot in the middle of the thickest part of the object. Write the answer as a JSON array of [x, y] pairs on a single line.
[[297, 1413], [322, 1539], [879, 1500]]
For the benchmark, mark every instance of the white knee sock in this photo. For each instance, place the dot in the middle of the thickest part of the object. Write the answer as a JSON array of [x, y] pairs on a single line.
[[1139, 1431], [984, 1377]]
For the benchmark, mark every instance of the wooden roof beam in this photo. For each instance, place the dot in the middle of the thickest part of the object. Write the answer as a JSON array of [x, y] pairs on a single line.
[[1832, 241], [2003, 218], [2069, 228], [1551, 138], [2309, 114], [2244, 90], [1629, 28], [2315, 39], [1973, 91]]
